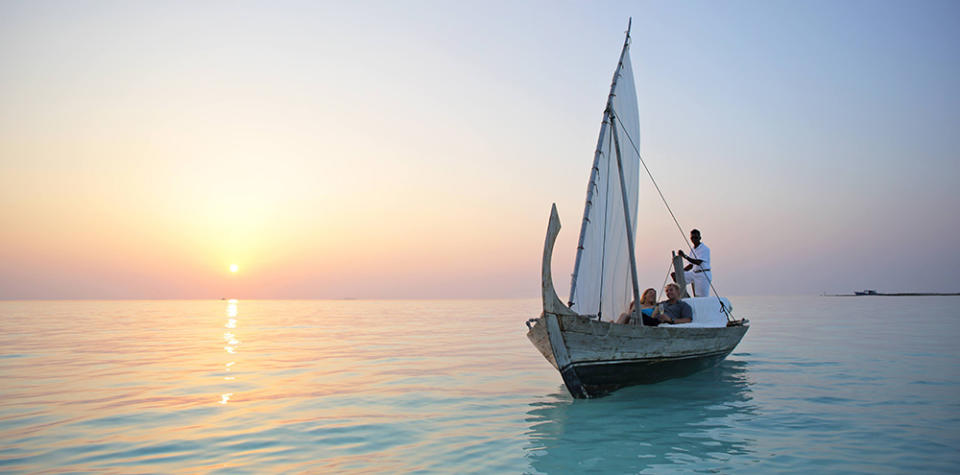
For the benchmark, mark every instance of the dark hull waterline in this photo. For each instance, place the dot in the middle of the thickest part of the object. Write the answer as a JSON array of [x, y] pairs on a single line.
[[598, 378]]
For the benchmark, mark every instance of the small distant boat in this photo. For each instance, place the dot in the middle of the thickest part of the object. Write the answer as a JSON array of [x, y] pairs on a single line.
[[595, 356], [866, 292]]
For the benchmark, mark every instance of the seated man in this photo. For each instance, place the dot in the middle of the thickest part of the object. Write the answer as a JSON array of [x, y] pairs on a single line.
[[673, 310]]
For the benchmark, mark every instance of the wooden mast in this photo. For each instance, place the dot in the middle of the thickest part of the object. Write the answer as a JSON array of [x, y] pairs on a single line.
[[626, 218]]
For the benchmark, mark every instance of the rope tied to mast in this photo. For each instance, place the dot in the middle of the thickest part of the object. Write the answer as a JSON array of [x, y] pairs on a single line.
[[723, 307]]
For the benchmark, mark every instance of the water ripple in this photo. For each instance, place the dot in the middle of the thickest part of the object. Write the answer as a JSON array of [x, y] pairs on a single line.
[[453, 386]]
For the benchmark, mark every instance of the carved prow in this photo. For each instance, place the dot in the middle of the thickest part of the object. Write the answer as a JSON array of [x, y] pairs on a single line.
[[551, 303]]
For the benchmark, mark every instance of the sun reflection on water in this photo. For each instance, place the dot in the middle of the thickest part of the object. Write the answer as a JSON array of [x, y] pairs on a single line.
[[231, 344]]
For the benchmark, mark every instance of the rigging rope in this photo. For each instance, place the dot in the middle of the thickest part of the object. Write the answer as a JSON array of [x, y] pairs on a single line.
[[655, 185], [666, 276], [723, 307]]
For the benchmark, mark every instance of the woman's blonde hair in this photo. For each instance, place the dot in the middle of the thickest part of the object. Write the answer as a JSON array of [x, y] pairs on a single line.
[[643, 296]]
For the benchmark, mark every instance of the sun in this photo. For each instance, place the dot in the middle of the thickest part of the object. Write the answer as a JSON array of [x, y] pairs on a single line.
[[234, 268]]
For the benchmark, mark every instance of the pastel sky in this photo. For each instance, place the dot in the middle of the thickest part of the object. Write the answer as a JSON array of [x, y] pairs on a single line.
[[413, 149]]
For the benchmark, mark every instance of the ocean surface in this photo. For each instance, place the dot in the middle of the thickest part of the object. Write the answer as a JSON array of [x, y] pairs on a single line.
[[819, 384]]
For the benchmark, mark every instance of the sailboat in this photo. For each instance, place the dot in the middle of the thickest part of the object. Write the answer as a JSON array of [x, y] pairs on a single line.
[[594, 355]]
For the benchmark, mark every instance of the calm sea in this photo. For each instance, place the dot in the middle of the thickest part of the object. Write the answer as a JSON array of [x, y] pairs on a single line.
[[819, 384]]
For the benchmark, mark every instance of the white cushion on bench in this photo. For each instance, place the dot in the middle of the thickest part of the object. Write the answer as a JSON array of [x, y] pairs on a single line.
[[706, 312]]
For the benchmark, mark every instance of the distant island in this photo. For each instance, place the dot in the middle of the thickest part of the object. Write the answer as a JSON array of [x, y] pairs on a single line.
[[866, 293]]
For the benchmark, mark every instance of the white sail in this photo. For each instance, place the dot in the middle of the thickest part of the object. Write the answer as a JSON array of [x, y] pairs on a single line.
[[601, 283]]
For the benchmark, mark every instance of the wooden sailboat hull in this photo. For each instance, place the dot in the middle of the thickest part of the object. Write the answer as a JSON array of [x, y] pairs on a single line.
[[595, 358]]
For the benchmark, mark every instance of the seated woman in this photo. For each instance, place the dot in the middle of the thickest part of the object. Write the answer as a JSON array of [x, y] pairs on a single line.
[[647, 303]]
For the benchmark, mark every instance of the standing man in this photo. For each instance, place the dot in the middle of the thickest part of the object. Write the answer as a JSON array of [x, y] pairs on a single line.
[[698, 271]]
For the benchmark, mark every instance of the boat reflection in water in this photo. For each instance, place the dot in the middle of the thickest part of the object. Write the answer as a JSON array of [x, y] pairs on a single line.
[[689, 422]]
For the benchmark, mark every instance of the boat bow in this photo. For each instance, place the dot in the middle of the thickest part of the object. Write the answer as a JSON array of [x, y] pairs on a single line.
[[551, 302]]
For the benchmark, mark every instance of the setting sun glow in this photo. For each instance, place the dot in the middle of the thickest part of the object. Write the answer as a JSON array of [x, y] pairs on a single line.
[[256, 140]]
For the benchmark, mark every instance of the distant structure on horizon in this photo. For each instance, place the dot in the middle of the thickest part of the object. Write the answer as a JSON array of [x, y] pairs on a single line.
[[895, 294]]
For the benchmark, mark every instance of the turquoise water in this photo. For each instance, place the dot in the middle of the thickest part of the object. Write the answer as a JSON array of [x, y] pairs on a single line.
[[868, 385]]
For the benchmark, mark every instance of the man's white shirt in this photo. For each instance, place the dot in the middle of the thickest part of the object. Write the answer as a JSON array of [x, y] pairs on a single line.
[[700, 275], [702, 252]]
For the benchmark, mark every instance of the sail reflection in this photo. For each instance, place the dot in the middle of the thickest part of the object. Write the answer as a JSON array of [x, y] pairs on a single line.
[[686, 421]]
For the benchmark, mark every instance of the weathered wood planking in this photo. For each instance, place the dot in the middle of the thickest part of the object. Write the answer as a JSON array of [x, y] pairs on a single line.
[[665, 343], [678, 276], [541, 341], [589, 340]]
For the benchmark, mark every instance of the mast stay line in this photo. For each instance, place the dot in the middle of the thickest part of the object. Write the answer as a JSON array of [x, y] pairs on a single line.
[[723, 307]]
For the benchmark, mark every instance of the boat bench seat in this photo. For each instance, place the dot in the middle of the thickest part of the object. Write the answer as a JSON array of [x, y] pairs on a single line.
[[706, 312]]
